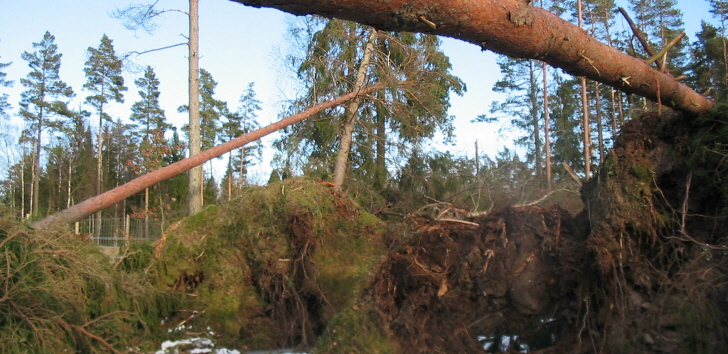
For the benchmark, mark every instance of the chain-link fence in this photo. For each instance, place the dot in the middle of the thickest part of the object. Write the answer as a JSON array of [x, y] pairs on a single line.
[[116, 232]]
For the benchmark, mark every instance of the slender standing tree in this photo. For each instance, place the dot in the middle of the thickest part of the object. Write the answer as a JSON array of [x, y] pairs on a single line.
[[719, 9], [46, 97], [522, 105], [151, 128], [242, 122], [211, 112], [105, 83], [142, 17]]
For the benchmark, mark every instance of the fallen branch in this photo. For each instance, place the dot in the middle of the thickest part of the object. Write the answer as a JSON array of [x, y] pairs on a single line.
[[664, 51]]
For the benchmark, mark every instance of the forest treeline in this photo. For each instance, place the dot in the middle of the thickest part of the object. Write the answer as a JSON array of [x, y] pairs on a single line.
[[376, 146]]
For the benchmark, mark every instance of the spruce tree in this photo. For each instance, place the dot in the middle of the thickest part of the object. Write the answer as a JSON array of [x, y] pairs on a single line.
[[104, 81], [409, 110], [46, 97]]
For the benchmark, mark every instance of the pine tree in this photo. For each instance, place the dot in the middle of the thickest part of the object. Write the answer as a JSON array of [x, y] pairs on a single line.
[[212, 111], [151, 128], [719, 9], [43, 100], [522, 105], [104, 81], [4, 104], [242, 122]]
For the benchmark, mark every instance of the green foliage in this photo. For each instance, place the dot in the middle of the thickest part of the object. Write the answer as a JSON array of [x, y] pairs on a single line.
[[708, 150], [4, 105], [60, 294], [411, 108], [103, 77]]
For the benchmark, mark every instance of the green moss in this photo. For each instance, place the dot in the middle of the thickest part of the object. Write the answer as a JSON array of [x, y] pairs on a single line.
[[611, 165], [643, 173], [245, 249], [355, 331]]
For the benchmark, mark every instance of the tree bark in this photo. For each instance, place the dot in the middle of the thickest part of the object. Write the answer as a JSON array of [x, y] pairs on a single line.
[[546, 128], [514, 28], [195, 182], [92, 205], [342, 157]]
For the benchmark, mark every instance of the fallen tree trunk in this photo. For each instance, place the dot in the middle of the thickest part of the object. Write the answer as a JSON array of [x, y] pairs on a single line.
[[107, 199], [514, 28]]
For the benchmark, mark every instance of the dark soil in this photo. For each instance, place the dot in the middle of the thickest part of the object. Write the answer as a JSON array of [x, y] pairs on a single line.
[[511, 273]]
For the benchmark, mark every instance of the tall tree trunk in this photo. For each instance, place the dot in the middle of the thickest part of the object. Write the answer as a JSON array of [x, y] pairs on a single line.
[[342, 157], [381, 162], [598, 117], [194, 194], [22, 187], [546, 123], [533, 84], [36, 165], [514, 28], [99, 170], [68, 185], [146, 213], [585, 111]]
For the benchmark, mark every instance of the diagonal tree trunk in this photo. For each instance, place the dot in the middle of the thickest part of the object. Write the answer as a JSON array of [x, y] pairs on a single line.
[[514, 28], [94, 204]]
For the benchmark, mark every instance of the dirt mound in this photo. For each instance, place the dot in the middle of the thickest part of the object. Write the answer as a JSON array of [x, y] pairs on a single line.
[[271, 268]]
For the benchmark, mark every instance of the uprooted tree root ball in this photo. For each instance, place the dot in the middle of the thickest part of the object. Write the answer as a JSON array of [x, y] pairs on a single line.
[[271, 268], [457, 287], [641, 270]]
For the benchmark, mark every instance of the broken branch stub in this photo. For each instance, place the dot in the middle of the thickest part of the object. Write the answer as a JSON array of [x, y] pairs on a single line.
[[514, 28]]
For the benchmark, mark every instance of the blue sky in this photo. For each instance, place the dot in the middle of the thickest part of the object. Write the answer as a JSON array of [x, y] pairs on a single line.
[[237, 45]]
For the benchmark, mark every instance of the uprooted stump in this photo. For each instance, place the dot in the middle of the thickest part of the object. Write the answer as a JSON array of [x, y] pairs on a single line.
[[459, 287], [271, 268]]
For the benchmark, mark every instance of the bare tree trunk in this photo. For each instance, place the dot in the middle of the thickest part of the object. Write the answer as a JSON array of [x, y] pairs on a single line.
[[36, 166], [91, 205], [342, 157], [546, 129], [514, 28], [99, 170], [585, 111], [533, 96], [598, 117], [586, 129], [22, 188], [195, 177], [146, 213]]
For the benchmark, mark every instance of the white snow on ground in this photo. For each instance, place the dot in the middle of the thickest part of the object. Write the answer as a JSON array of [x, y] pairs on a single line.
[[206, 345]]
